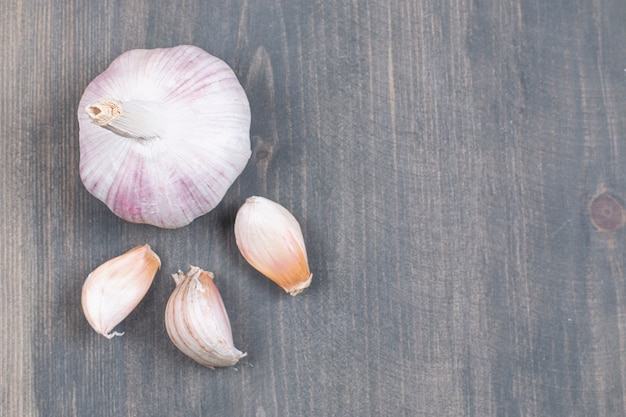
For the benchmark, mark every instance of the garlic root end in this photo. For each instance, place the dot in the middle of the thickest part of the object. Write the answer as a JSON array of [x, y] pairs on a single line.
[[112, 334], [297, 289]]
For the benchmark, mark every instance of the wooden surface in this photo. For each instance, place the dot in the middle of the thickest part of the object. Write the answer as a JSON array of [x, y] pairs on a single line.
[[441, 156]]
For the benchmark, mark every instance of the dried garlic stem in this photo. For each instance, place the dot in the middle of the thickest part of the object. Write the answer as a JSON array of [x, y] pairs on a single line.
[[104, 111], [130, 119]]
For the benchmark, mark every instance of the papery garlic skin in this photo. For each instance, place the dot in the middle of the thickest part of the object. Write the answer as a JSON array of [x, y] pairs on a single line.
[[163, 134], [116, 287], [270, 238], [196, 320]]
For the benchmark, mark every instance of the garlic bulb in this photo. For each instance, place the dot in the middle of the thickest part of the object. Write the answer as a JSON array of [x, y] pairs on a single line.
[[163, 134], [197, 322], [270, 239], [116, 287]]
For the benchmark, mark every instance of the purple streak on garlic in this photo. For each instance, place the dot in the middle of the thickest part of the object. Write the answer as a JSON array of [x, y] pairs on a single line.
[[163, 134]]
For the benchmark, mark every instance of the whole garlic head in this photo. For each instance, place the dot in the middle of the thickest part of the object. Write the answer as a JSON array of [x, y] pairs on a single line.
[[163, 134]]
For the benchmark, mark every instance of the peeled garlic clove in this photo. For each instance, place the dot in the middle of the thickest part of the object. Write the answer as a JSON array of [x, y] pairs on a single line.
[[163, 134], [196, 320], [116, 287], [270, 239]]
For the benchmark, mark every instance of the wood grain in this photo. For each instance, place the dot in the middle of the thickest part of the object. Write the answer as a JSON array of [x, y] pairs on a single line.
[[441, 157]]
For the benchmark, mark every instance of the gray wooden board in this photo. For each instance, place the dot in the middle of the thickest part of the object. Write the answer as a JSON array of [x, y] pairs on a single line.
[[441, 156]]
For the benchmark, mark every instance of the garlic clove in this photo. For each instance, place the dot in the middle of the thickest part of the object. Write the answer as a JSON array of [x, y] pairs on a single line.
[[116, 287], [197, 322], [270, 239], [163, 135]]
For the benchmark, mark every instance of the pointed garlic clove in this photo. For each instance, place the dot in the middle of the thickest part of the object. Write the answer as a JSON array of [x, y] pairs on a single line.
[[116, 287], [197, 322], [270, 239]]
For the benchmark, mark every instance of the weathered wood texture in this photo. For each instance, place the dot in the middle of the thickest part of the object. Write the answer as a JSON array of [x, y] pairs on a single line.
[[441, 155]]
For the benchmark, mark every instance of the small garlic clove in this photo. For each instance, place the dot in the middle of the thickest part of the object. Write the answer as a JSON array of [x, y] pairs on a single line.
[[270, 239], [197, 322], [116, 287]]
